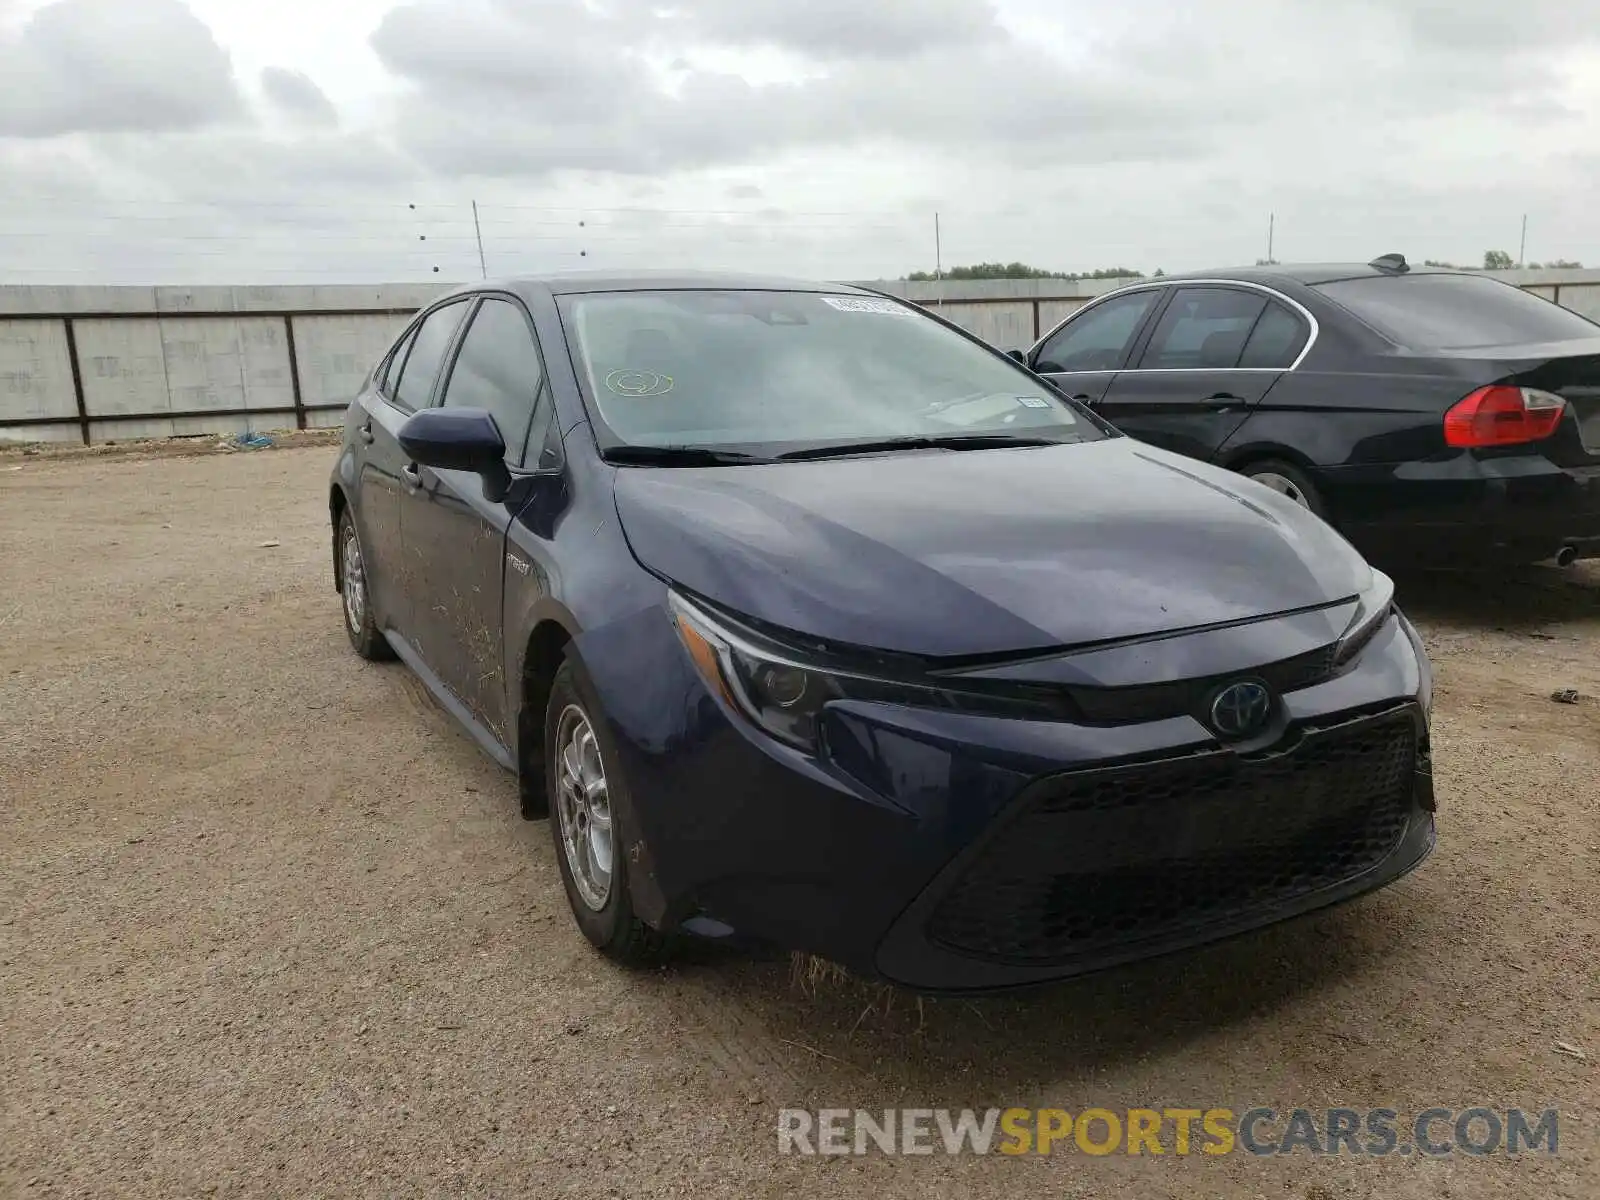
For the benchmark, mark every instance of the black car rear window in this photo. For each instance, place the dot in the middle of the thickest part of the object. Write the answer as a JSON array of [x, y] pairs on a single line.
[[1455, 312]]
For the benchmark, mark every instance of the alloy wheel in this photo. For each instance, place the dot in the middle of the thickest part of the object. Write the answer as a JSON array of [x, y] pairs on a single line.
[[583, 808], [355, 581], [1284, 486]]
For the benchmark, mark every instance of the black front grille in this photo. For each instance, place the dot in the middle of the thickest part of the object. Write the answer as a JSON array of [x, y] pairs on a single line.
[[1158, 701], [1162, 850]]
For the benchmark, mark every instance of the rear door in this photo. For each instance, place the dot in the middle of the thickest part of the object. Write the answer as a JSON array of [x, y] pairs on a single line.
[[377, 508], [409, 387], [1216, 350], [1084, 354]]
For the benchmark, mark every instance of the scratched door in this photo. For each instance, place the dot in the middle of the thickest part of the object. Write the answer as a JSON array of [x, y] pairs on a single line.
[[455, 534]]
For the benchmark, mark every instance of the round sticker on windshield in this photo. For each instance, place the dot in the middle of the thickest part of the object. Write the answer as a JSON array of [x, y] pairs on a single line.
[[639, 383]]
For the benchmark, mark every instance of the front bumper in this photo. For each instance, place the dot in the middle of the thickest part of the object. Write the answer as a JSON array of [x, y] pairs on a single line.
[[954, 852], [1093, 868]]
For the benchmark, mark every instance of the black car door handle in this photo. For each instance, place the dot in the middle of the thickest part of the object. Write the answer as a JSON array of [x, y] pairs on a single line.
[[412, 474], [366, 433], [1223, 401]]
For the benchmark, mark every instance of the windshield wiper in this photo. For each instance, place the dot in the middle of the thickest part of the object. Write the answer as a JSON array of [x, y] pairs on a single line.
[[680, 456], [949, 441]]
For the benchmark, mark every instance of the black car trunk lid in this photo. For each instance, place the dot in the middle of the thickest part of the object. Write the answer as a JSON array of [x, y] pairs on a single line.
[[1570, 370]]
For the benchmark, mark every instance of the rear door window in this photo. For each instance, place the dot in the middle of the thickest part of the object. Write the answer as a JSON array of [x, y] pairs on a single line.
[[1455, 312], [388, 373], [1099, 338], [415, 387], [1204, 328], [1276, 341]]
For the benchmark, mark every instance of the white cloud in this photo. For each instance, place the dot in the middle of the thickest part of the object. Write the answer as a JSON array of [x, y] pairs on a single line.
[[295, 93], [100, 65], [812, 138]]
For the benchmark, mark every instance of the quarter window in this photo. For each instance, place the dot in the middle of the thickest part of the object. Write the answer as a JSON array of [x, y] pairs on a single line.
[[499, 369], [1203, 329], [1276, 340], [415, 388], [1099, 339], [389, 370]]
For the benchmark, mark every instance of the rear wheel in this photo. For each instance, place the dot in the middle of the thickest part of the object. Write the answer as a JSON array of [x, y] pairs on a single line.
[[1287, 480], [359, 624], [589, 825]]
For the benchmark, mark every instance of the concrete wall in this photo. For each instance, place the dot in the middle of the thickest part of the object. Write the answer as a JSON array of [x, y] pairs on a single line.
[[109, 363], [105, 364]]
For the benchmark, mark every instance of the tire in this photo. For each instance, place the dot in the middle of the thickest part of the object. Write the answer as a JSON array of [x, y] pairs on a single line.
[[1287, 480], [578, 755], [359, 624]]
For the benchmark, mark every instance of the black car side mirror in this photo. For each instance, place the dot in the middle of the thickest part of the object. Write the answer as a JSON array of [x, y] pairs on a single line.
[[1018, 355], [459, 439]]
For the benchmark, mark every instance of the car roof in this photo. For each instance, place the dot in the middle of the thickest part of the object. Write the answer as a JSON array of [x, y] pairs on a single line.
[[569, 283], [1305, 273]]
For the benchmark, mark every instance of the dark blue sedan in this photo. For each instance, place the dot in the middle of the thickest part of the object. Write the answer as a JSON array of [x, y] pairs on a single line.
[[811, 619]]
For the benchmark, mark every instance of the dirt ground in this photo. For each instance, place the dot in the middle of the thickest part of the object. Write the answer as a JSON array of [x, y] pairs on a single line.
[[270, 925]]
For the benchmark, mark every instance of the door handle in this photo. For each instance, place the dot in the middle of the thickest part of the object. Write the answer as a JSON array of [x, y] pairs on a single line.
[[1083, 398], [1223, 402], [366, 433], [412, 474]]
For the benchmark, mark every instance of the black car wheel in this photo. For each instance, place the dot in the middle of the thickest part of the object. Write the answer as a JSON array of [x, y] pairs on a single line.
[[1287, 480], [588, 822], [365, 636]]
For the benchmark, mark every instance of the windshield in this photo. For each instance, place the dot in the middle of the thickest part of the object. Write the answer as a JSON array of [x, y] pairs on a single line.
[[771, 372], [1455, 312]]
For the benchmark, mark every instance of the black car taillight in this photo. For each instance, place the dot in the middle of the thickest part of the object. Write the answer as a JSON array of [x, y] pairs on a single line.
[[1503, 416]]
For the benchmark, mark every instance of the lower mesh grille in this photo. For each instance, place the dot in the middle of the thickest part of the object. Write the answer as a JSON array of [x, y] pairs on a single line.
[[1162, 850]]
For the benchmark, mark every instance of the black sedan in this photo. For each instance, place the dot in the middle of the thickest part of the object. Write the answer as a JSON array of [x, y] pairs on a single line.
[[814, 620], [1430, 415]]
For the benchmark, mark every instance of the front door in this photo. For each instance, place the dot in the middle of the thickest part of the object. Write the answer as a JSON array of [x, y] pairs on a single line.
[[1212, 356], [460, 531], [1083, 356]]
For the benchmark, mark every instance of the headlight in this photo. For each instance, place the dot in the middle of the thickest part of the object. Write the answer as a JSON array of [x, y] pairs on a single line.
[[777, 688], [1373, 607], [782, 695]]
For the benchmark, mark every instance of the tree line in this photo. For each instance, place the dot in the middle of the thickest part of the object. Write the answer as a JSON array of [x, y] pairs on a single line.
[[1493, 260], [1017, 270]]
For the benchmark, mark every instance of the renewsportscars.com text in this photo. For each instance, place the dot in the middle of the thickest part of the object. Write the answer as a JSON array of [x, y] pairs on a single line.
[[1373, 1132]]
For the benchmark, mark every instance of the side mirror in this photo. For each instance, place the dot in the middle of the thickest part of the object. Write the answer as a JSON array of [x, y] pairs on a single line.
[[1018, 355], [459, 439]]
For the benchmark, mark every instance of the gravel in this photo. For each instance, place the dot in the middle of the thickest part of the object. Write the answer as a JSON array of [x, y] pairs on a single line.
[[271, 925]]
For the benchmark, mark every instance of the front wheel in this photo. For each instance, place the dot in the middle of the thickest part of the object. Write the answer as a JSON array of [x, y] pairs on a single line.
[[1287, 480], [587, 822]]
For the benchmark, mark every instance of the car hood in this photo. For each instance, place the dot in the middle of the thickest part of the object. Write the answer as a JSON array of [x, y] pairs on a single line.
[[983, 552]]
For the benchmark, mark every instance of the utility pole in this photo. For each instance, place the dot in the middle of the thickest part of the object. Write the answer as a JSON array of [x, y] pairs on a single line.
[[483, 265], [938, 261], [1522, 250], [1272, 228]]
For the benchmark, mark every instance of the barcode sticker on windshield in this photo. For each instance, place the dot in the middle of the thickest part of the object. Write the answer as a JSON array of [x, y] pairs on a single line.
[[1033, 401], [863, 304]]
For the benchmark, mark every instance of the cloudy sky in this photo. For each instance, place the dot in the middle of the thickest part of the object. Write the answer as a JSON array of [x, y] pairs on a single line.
[[319, 140]]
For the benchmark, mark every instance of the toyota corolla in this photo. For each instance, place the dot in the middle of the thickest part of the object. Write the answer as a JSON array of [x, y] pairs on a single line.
[[809, 618]]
